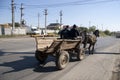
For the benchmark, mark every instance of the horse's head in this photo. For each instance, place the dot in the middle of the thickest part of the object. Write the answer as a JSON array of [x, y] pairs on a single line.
[[96, 33]]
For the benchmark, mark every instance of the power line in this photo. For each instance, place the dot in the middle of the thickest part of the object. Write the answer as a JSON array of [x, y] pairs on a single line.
[[97, 2], [81, 2], [59, 4], [74, 3], [5, 7]]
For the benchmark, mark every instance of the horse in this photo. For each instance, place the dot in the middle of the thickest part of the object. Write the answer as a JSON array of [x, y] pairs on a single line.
[[91, 40]]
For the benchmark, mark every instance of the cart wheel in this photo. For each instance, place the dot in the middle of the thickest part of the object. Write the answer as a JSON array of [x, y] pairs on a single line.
[[62, 59], [80, 54], [40, 57]]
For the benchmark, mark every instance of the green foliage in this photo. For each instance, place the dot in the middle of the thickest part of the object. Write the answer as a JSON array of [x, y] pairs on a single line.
[[92, 28], [102, 33], [83, 29], [16, 24], [107, 32]]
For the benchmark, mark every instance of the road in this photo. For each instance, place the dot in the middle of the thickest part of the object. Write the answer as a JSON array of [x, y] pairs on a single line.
[[17, 62]]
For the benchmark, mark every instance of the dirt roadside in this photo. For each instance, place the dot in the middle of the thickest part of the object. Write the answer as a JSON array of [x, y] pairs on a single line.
[[115, 49], [116, 69]]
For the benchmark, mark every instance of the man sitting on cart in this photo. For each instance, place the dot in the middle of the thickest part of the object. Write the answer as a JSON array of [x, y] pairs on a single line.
[[74, 33], [65, 32]]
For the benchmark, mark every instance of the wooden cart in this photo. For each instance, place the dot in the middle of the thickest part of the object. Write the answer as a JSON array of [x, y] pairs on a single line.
[[61, 49]]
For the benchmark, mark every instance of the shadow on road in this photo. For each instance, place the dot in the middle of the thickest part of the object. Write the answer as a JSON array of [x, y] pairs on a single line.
[[2, 53], [24, 61], [107, 53], [45, 69], [49, 65]]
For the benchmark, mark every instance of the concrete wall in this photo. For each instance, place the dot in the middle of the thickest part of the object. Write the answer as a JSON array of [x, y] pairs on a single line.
[[16, 31], [20, 31], [7, 31], [52, 31]]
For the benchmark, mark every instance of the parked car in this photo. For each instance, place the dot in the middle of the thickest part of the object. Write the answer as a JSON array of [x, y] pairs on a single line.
[[117, 34], [32, 30]]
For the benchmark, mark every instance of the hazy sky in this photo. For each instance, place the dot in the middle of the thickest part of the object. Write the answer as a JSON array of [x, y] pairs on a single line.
[[105, 14]]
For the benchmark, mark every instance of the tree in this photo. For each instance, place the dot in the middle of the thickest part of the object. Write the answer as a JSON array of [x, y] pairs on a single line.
[[83, 29], [17, 24], [107, 32], [92, 28]]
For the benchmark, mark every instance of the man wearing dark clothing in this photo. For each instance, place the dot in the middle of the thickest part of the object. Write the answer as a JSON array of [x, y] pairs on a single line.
[[74, 32], [64, 34]]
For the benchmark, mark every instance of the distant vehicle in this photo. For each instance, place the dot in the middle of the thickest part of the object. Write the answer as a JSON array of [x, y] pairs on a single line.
[[117, 34], [32, 31]]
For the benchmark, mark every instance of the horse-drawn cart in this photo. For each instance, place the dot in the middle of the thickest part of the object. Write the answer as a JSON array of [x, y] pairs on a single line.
[[61, 49]]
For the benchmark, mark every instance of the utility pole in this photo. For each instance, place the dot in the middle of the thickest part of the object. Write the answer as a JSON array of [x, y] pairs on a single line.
[[61, 17], [97, 27], [46, 21], [13, 17], [38, 21], [89, 24], [21, 15], [102, 26]]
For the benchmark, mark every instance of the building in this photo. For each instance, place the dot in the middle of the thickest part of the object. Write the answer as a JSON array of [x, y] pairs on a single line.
[[6, 29], [54, 26], [7, 25]]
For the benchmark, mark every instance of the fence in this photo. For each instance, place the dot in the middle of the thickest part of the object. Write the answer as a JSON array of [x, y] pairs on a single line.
[[8, 31], [21, 31]]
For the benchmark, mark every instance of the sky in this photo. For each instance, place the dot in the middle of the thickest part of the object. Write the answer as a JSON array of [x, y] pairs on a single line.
[[104, 14]]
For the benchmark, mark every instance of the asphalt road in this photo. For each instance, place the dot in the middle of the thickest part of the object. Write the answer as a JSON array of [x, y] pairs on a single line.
[[17, 62]]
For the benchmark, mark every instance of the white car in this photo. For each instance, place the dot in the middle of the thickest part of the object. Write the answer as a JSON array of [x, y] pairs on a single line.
[[32, 30]]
